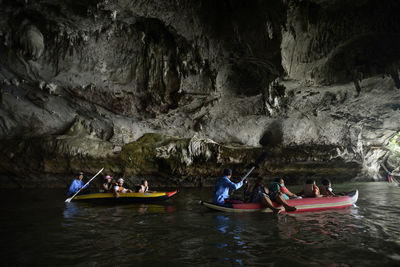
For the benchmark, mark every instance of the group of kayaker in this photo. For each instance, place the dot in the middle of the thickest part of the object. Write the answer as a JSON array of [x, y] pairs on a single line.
[[110, 185], [115, 187], [310, 189], [258, 193]]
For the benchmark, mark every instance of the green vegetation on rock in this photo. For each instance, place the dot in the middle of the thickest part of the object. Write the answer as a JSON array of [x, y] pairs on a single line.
[[394, 147]]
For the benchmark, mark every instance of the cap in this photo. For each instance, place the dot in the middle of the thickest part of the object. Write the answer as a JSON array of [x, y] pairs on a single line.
[[120, 180], [108, 177], [227, 172]]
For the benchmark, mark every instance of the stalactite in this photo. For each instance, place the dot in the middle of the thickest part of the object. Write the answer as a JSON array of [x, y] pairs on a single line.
[[395, 76]]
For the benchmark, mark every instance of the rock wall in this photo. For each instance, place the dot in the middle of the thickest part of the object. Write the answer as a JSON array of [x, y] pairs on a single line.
[[176, 90], [327, 42]]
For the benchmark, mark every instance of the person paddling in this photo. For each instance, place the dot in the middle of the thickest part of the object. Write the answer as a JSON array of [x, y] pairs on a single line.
[[76, 185], [222, 186]]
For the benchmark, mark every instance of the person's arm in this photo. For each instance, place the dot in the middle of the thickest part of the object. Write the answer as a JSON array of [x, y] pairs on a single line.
[[286, 191], [330, 192], [266, 190], [316, 191], [105, 187], [115, 189], [83, 186], [290, 194], [231, 185]]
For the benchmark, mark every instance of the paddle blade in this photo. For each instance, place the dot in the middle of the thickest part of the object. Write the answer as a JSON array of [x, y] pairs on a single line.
[[68, 200]]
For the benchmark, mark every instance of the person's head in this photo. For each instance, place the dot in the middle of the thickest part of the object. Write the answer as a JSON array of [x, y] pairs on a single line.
[[108, 179], [80, 177], [280, 181], [120, 181], [259, 180], [310, 181], [145, 183], [228, 172], [326, 182]]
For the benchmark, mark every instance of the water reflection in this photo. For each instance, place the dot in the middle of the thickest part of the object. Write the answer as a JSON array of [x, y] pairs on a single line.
[[70, 211], [178, 232], [311, 228], [75, 209], [222, 223], [234, 243]]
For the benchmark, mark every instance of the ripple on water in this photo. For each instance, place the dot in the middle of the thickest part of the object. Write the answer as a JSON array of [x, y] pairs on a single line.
[[181, 232]]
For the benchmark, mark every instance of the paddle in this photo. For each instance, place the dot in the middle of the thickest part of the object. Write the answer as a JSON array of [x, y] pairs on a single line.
[[255, 165], [69, 199]]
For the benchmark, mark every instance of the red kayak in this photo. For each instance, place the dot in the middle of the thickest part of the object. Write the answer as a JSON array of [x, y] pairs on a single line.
[[302, 205]]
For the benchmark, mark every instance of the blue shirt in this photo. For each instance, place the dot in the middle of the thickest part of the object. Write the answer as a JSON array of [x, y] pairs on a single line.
[[75, 186], [221, 189]]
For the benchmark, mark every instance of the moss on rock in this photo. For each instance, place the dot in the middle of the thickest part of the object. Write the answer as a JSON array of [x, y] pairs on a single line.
[[141, 156], [394, 147], [174, 160]]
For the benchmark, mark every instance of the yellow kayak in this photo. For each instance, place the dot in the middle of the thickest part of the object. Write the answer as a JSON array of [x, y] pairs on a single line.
[[125, 197]]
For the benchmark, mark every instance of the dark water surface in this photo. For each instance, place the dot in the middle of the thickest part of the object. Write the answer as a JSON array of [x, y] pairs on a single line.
[[38, 228]]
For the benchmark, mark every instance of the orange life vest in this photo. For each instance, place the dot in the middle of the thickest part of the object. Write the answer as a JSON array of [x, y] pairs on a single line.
[[120, 189], [310, 190]]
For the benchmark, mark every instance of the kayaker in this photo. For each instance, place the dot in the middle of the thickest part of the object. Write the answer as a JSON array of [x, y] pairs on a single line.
[[222, 186], [279, 185], [118, 188], [310, 189], [326, 188], [76, 185], [108, 185], [144, 187], [258, 193], [276, 194]]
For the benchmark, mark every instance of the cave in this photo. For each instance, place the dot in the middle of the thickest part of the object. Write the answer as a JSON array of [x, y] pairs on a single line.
[[218, 83]]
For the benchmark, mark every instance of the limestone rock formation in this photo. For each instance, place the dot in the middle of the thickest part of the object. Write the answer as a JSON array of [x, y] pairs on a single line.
[[178, 89]]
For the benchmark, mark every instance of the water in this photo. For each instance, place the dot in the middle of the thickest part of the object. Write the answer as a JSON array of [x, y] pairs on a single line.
[[38, 228]]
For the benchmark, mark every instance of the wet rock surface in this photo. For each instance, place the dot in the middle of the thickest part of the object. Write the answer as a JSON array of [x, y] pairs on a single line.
[[177, 90]]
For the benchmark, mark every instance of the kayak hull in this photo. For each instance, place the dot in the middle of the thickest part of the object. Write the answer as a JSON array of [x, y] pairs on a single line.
[[105, 198], [302, 205]]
